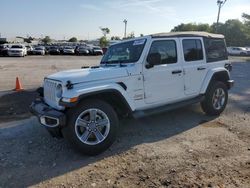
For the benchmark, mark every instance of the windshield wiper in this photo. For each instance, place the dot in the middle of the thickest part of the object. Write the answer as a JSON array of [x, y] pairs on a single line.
[[113, 62]]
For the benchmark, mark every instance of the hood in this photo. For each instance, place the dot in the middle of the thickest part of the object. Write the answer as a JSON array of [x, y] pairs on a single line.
[[89, 74]]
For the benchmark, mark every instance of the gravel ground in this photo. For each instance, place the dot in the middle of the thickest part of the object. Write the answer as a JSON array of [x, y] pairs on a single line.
[[181, 148]]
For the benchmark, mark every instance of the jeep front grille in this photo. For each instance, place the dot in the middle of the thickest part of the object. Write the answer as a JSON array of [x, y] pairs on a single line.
[[50, 93]]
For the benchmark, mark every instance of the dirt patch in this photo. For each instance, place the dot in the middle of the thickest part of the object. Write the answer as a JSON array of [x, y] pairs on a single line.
[[15, 106]]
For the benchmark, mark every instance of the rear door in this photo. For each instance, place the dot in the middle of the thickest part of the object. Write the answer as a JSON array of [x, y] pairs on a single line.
[[194, 64]]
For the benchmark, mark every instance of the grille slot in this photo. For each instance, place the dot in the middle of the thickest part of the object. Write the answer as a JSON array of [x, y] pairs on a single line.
[[50, 92]]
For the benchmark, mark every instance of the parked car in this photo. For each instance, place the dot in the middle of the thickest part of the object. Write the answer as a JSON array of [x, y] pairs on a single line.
[[97, 51], [137, 77], [17, 50], [29, 49], [82, 50], [3, 50], [68, 50], [248, 50], [39, 50], [47, 49], [238, 51], [54, 50]]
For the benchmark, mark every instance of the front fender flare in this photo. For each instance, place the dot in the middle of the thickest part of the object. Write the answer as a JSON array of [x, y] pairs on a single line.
[[93, 90]]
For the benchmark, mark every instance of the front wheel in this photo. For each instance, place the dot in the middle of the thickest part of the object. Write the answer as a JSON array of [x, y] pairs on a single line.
[[215, 99], [91, 127]]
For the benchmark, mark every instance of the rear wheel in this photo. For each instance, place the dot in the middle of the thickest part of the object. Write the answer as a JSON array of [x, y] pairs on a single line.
[[91, 127], [215, 99]]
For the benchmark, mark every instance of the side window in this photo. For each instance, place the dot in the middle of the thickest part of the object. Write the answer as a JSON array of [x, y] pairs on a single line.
[[192, 49], [215, 50], [166, 49]]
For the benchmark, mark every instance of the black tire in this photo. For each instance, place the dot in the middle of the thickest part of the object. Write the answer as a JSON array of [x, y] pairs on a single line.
[[207, 104], [70, 134]]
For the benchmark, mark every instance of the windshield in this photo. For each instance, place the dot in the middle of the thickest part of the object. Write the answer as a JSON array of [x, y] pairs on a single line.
[[127, 52], [16, 46]]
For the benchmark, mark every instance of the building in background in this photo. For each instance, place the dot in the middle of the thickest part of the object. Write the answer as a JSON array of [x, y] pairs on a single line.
[[11, 40]]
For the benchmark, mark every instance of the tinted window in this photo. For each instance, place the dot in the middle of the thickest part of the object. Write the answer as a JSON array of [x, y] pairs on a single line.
[[192, 49], [167, 50], [215, 50]]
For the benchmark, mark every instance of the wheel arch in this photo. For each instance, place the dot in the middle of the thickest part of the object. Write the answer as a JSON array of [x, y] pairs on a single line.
[[215, 75], [112, 96]]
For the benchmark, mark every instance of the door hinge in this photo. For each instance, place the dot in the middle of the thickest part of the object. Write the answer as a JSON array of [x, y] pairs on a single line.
[[143, 78], [184, 72]]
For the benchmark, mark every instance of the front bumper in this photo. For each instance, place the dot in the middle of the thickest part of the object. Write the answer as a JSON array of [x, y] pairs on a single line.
[[52, 119], [230, 84], [15, 54]]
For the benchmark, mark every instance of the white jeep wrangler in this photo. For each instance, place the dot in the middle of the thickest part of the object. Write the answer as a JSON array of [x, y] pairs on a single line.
[[136, 77]]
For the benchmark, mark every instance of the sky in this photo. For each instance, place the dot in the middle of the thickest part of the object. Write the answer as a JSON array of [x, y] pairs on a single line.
[[63, 19]]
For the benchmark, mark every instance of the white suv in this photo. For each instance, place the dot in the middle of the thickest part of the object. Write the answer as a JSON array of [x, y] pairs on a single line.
[[136, 77], [238, 51]]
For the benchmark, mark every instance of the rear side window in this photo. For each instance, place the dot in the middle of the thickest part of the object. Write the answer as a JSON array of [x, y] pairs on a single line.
[[192, 49], [166, 49], [215, 50]]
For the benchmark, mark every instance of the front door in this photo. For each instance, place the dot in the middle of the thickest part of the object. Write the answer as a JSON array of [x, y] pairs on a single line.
[[164, 82]]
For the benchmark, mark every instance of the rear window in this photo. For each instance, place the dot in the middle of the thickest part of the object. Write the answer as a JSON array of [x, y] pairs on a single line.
[[192, 49], [215, 50]]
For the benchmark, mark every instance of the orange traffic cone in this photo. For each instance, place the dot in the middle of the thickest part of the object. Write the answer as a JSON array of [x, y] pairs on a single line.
[[18, 85]]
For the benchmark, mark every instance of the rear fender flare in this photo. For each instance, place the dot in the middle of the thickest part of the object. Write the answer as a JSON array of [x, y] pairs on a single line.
[[210, 76]]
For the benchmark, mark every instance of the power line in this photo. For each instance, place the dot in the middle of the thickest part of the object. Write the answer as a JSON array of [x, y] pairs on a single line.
[[220, 4], [125, 31]]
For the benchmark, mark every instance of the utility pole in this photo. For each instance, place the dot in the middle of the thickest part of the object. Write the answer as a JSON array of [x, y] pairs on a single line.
[[125, 31], [220, 4]]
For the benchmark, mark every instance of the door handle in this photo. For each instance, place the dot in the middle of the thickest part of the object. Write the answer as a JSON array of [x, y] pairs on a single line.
[[201, 68], [176, 71]]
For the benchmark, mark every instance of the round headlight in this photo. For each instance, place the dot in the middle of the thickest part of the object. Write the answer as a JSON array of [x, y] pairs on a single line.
[[59, 91]]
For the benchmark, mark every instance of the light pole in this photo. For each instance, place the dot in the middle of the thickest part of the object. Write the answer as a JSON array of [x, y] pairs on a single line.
[[220, 3], [125, 31]]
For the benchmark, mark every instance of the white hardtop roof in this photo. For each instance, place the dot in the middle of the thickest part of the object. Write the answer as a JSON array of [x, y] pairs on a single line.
[[187, 34]]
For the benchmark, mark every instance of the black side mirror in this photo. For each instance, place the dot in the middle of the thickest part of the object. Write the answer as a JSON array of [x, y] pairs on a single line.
[[153, 59]]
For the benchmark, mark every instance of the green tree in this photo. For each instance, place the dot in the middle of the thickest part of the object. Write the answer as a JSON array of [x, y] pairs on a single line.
[[105, 31], [104, 42], [246, 18], [130, 35], [191, 27], [234, 32], [73, 39], [28, 40], [115, 38], [46, 40]]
